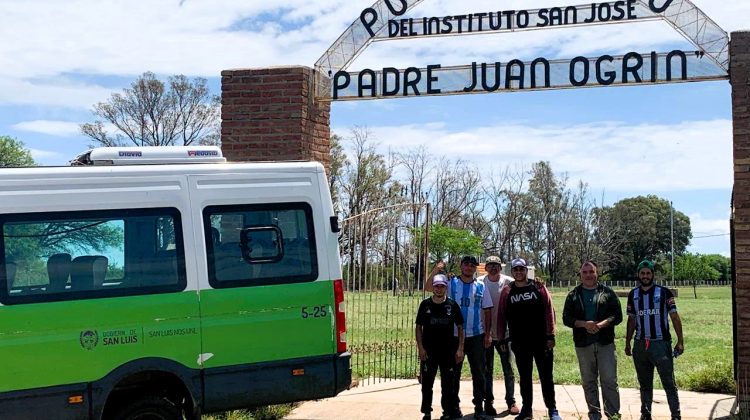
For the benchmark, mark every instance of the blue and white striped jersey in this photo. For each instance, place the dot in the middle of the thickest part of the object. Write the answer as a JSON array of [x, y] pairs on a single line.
[[651, 311], [472, 298]]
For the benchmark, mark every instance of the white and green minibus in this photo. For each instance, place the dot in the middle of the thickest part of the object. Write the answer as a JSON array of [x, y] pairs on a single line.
[[166, 283]]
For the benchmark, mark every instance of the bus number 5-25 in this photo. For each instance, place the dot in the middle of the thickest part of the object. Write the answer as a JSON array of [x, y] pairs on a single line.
[[314, 312]]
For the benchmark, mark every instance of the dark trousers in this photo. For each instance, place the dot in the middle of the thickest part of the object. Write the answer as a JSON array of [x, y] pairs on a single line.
[[446, 361], [657, 355], [474, 351], [505, 361], [525, 357]]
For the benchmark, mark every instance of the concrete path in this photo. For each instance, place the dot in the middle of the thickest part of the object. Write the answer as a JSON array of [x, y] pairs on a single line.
[[400, 399]]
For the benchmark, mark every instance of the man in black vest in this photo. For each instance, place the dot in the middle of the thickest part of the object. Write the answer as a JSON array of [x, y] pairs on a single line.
[[592, 310], [650, 307]]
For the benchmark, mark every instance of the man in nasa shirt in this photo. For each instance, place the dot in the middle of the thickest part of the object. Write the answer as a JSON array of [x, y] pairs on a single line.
[[526, 308], [650, 307]]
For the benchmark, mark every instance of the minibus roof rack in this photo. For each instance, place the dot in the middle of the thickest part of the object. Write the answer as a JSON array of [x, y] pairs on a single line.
[[149, 155]]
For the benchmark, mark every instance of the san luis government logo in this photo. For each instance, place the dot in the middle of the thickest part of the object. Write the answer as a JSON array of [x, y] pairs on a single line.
[[89, 339]]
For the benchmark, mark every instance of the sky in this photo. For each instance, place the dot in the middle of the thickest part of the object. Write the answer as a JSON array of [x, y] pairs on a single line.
[[58, 59]]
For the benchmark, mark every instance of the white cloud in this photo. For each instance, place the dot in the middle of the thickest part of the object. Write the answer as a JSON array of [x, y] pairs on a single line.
[[52, 128], [708, 227], [58, 92], [46, 157], [611, 156], [47, 39], [710, 236]]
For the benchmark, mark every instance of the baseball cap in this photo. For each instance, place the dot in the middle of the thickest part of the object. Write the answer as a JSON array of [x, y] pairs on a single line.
[[646, 264], [440, 279], [469, 259], [518, 262], [493, 259]]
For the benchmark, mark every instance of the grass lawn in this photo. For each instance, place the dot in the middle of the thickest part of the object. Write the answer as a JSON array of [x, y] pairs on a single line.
[[706, 364], [381, 337]]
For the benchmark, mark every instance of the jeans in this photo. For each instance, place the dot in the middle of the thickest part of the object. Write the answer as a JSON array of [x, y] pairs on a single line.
[[446, 361], [474, 351], [657, 355], [526, 355], [505, 361], [598, 363]]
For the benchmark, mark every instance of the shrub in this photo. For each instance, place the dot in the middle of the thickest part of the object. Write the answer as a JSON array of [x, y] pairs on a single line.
[[270, 412], [716, 378]]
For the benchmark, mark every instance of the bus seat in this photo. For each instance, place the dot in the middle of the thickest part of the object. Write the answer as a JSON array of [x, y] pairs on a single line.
[[10, 271], [88, 272], [215, 236], [58, 270], [228, 263]]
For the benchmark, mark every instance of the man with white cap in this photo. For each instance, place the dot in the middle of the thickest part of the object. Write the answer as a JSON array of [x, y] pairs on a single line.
[[476, 307], [495, 282], [525, 309], [437, 318]]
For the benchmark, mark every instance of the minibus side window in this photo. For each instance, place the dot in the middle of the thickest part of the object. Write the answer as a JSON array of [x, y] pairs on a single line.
[[89, 254], [250, 245]]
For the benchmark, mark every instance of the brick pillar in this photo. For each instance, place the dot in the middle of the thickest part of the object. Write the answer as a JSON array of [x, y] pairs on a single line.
[[740, 79], [270, 115]]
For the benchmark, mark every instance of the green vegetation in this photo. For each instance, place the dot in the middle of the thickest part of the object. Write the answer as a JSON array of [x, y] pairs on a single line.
[[271, 412], [450, 244], [14, 153], [691, 267], [706, 365], [375, 319]]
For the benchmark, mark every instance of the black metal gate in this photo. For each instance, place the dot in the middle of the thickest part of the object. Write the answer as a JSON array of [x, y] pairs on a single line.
[[384, 259]]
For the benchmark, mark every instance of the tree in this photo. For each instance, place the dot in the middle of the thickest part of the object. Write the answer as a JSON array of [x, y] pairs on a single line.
[[449, 244], [455, 193], [641, 226], [367, 186], [152, 113], [721, 264], [694, 267], [14, 153], [551, 221], [338, 161]]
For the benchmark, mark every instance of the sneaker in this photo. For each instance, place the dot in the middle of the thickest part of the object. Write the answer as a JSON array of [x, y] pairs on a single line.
[[554, 415], [478, 412], [457, 414], [490, 410], [427, 417], [446, 416], [513, 409]]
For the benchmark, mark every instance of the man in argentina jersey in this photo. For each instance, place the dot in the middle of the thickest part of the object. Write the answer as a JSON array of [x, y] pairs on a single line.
[[650, 307], [476, 307]]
